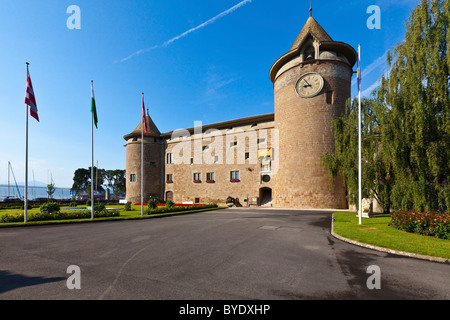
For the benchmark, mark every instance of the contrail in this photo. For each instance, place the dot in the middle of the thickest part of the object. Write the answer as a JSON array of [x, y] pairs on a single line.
[[204, 24]]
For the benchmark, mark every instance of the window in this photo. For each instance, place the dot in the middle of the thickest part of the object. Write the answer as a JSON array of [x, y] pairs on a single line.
[[233, 144], [169, 178], [169, 158], [216, 159], [197, 177], [205, 148], [132, 177], [310, 53], [234, 176], [197, 200], [247, 155], [261, 140], [329, 97], [209, 176], [192, 161]]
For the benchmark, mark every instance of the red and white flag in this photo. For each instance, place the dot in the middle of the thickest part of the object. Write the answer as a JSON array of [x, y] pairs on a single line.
[[144, 120], [30, 100]]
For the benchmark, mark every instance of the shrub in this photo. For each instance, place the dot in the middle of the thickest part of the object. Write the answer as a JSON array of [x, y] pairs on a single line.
[[428, 223], [49, 207], [166, 209], [152, 204], [72, 204], [63, 215], [99, 207], [88, 203], [127, 206], [169, 203]]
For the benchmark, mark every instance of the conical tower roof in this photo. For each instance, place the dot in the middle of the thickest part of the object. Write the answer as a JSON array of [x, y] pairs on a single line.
[[152, 129], [315, 29]]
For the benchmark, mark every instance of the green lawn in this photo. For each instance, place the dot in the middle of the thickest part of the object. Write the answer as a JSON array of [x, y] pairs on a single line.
[[376, 231], [135, 213]]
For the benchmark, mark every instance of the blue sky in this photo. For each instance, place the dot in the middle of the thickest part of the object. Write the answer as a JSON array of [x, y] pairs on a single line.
[[195, 60]]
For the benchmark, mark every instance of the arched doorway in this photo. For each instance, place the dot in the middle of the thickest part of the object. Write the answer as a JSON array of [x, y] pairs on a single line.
[[265, 196], [169, 195]]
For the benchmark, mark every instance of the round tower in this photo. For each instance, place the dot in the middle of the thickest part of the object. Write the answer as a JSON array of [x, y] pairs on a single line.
[[153, 163], [312, 83]]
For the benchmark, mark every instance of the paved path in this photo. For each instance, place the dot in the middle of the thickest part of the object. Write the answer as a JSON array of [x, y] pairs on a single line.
[[226, 254]]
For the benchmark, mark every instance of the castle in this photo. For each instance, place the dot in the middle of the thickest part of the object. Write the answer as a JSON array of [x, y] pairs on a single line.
[[270, 159]]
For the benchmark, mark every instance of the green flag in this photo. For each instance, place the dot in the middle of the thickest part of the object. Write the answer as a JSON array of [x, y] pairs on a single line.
[[93, 108]]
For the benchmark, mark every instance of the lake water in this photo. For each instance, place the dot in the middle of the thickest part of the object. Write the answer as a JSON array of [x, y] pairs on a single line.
[[34, 192]]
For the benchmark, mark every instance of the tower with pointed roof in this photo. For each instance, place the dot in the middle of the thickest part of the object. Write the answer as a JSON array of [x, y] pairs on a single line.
[[311, 83], [153, 163]]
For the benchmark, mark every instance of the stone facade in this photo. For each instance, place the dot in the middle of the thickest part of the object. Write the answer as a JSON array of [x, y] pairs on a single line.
[[274, 157]]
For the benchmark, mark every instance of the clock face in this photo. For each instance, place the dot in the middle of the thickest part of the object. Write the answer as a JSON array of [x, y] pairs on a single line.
[[309, 85]]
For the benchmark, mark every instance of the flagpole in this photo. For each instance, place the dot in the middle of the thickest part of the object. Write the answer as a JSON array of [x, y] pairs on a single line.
[[359, 140], [25, 217], [142, 162], [92, 161]]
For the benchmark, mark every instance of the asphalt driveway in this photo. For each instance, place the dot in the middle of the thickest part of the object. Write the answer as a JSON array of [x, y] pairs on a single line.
[[232, 254]]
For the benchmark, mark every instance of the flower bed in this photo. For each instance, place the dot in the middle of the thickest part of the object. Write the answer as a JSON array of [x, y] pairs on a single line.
[[430, 223], [63, 215], [182, 207], [175, 204]]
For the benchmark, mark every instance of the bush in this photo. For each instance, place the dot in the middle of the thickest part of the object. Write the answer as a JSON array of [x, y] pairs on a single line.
[[88, 203], [49, 207], [428, 223], [169, 203], [152, 204], [63, 215], [72, 204], [166, 209], [99, 207], [127, 206]]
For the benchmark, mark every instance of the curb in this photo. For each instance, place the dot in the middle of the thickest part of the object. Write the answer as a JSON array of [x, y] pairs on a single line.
[[386, 250]]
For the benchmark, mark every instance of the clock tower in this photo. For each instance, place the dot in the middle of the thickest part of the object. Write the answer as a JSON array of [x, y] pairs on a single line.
[[311, 83]]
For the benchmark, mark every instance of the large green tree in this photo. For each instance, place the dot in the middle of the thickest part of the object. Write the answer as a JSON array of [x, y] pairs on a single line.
[[414, 100], [405, 122]]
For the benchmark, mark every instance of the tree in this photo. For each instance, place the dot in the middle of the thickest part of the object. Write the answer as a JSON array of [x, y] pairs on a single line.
[[115, 179], [405, 122], [82, 180], [415, 99], [50, 190], [376, 173]]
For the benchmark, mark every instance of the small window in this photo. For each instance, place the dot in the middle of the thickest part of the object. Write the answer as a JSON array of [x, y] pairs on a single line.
[[261, 140], [192, 161], [169, 178], [196, 200], [233, 144], [132, 177], [210, 176], [216, 159], [234, 175], [169, 158], [197, 176], [329, 97], [205, 148], [247, 155]]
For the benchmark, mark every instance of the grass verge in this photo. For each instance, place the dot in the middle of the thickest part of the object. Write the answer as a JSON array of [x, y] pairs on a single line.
[[134, 214], [376, 231]]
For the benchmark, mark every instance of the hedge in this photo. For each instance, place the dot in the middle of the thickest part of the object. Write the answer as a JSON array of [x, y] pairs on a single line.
[[161, 210], [63, 215], [429, 223]]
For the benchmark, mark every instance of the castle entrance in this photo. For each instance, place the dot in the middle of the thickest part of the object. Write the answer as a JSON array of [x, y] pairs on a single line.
[[265, 197]]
